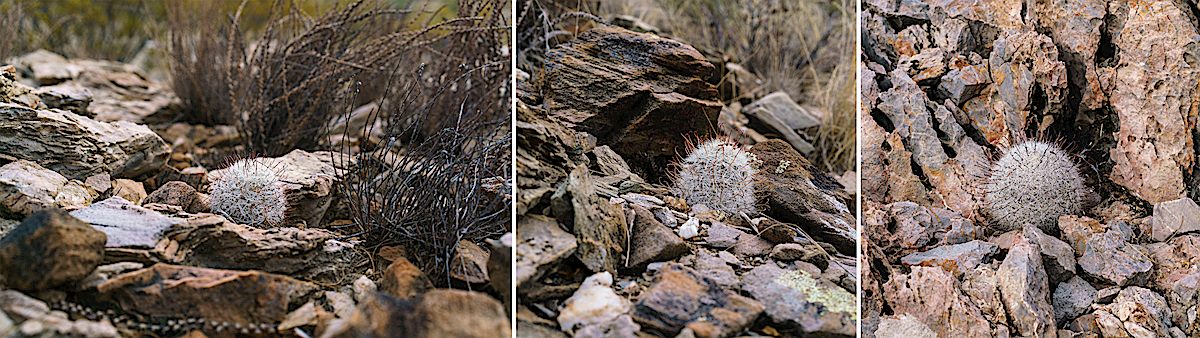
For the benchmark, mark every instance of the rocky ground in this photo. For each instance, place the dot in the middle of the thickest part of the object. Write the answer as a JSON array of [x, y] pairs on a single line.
[[948, 87], [107, 229], [607, 248]]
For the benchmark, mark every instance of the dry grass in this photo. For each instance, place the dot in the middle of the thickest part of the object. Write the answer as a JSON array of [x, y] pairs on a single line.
[[10, 18], [97, 29], [439, 76], [805, 48], [441, 172]]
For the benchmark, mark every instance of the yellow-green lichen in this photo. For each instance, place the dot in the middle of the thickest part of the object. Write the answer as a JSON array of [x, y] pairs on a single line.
[[834, 299]]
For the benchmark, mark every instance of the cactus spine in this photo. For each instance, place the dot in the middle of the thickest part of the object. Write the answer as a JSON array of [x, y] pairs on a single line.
[[718, 174], [249, 193], [1035, 183]]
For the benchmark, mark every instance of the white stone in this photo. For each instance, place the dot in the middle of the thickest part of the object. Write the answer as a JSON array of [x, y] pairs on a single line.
[[595, 302], [690, 229]]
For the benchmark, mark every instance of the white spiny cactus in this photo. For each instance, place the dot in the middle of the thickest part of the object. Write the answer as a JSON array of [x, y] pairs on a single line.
[[249, 193], [718, 174], [1035, 182]]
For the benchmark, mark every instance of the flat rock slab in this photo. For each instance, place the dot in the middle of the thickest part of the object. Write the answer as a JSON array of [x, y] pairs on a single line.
[[211, 241], [956, 258], [26, 187], [800, 301], [173, 291], [640, 94], [77, 146], [117, 91], [126, 224]]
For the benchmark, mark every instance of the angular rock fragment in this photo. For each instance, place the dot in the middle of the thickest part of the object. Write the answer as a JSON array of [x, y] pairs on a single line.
[[1076, 230], [593, 303], [120, 92], [795, 251], [801, 302], [622, 326], [546, 152], [801, 196], [403, 280], [15, 92], [38, 320], [1154, 143], [1136, 312], [1174, 260], [49, 249], [982, 286], [1072, 299], [500, 267], [440, 313], [179, 194], [637, 93], [1110, 258], [903, 326], [932, 296], [682, 298], [542, 242], [1175, 217], [77, 146], [212, 241], [130, 190], [722, 236], [599, 226], [919, 122], [26, 187], [652, 241], [783, 116], [1057, 258], [469, 263], [1025, 290], [70, 97], [961, 84]]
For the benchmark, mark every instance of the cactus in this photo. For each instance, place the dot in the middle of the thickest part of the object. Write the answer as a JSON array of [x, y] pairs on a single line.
[[718, 174], [1035, 183], [249, 193]]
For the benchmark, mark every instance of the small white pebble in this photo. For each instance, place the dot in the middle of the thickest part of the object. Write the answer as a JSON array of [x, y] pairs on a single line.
[[690, 229]]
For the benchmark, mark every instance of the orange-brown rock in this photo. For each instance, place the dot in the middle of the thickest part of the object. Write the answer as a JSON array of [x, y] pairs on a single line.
[[404, 280], [439, 313], [174, 291]]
